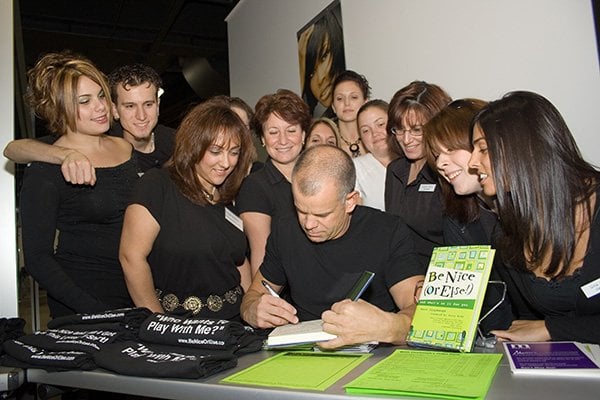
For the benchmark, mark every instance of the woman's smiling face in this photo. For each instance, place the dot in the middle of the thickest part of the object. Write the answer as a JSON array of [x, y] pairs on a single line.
[[480, 162], [453, 165]]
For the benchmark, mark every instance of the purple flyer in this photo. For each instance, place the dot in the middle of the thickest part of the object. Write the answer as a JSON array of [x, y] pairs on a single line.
[[548, 356]]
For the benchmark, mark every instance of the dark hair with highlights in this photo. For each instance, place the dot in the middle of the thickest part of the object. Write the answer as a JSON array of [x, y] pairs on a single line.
[[52, 88], [329, 27]]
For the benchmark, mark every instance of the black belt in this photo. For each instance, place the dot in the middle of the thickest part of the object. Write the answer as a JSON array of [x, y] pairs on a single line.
[[195, 304]]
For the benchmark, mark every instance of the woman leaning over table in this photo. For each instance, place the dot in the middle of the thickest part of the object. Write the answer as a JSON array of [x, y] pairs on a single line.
[[80, 267], [469, 216], [411, 189], [182, 247], [547, 202], [280, 121]]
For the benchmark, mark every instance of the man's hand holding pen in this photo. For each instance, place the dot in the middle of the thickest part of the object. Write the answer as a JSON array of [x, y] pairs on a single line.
[[263, 308], [276, 310]]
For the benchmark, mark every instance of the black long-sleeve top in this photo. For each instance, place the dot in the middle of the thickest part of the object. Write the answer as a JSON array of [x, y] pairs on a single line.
[[83, 273]]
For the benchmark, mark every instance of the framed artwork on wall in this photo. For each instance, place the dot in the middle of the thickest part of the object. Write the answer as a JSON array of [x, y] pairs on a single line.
[[321, 58], [596, 12]]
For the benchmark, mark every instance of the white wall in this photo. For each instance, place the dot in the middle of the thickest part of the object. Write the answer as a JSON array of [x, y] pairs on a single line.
[[263, 51], [472, 48], [8, 258]]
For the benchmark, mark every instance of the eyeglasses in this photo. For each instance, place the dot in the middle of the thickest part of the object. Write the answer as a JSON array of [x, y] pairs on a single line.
[[415, 131]]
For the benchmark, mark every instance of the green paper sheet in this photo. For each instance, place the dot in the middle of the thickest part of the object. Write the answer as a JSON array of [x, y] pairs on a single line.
[[298, 370], [429, 374]]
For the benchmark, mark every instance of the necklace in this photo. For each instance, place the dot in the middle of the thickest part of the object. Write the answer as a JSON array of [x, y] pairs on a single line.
[[148, 146], [210, 197], [152, 146], [352, 146]]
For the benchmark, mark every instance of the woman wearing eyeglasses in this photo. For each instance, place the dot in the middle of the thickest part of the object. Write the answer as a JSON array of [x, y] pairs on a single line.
[[411, 187]]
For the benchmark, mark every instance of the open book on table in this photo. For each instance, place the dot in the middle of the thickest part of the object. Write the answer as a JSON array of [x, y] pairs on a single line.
[[300, 333]]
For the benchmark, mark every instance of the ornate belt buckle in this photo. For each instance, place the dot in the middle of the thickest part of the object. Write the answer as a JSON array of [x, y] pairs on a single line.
[[214, 303], [231, 296], [193, 304], [170, 302]]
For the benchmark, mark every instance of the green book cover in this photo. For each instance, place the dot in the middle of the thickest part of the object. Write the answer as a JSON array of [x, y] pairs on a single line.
[[448, 309]]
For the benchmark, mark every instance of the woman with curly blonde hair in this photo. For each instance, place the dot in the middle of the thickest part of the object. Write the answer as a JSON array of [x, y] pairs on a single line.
[[82, 273]]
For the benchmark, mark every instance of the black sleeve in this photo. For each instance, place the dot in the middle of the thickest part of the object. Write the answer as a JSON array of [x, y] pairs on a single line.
[[582, 328], [272, 266], [403, 259], [252, 196], [149, 192], [39, 206], [387, 194], [583, 323]]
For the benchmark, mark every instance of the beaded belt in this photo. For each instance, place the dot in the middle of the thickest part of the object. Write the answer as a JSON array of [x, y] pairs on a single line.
[[195, 304]]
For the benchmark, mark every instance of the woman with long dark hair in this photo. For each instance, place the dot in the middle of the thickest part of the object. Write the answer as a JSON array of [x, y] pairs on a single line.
[[547, 201]]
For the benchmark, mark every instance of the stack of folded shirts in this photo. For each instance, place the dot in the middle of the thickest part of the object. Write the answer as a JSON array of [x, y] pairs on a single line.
[[205, 333], [174, 347], [124, 319], [72, 340], [135, 342], [10, 328]]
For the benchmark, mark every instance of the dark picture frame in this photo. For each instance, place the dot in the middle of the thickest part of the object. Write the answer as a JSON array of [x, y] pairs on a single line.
[[321, 57]]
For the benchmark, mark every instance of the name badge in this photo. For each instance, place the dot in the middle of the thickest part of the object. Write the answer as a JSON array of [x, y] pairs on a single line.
[[234, 219], [591, 289], [427, 187]]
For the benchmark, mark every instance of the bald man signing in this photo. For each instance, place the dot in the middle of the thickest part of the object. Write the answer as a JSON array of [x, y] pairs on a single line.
[[320, 254]]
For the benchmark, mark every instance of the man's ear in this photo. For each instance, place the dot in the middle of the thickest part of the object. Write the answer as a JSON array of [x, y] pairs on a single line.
[[352, 200]]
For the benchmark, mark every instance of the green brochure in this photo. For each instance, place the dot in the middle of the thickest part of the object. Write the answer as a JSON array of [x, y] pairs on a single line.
[[423, 373], [298, 370]]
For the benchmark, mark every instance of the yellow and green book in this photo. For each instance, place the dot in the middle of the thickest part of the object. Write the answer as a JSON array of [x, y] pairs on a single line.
[[448, 308]]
